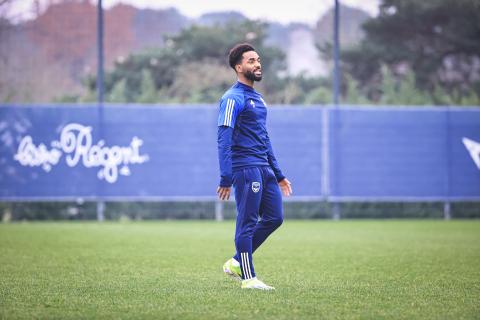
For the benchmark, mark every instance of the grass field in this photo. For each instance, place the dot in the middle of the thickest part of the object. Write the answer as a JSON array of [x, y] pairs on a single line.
[[172, 270]]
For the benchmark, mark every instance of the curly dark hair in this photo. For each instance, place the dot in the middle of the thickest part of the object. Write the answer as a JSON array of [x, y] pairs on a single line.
[[235, 54]]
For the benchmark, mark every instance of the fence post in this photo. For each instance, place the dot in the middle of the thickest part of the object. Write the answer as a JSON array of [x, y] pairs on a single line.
[[100, 211], [218, 210], [336, 213], [446, 211], [100, 89], [336, 84], [448, 173], [336, 54]]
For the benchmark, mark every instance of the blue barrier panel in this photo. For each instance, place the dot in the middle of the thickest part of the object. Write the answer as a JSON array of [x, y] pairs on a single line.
[[163, 152], [138, 151], [388, 153], [464, 154], [408, 153], [33, 164], [145, 152]]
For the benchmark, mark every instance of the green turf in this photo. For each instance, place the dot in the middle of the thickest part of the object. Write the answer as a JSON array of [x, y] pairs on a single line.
[[172, 270]]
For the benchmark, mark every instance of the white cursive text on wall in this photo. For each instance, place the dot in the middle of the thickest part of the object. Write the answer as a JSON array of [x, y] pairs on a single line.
[[76, 143]]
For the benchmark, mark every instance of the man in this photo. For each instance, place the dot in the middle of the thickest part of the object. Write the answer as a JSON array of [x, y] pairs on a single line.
[[247, 161]]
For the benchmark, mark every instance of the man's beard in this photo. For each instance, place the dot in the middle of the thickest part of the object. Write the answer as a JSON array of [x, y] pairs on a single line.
[[252, 77]]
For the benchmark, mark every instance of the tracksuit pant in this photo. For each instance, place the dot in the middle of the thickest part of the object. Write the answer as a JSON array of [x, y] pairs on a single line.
[[259, 212]]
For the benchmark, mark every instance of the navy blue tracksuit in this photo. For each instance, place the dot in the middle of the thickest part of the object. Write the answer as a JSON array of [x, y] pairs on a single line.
[[247, 161]]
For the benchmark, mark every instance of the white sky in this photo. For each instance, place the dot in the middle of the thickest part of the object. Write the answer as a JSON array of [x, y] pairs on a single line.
[[307, 11]]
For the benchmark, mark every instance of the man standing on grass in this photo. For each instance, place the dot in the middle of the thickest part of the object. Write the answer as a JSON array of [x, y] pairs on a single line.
[[247, 161]]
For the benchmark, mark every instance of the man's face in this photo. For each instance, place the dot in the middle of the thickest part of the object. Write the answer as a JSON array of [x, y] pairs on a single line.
[[250, 66]]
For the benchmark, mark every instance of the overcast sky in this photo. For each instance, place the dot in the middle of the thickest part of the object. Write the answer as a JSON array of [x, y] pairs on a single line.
[[307, 11]]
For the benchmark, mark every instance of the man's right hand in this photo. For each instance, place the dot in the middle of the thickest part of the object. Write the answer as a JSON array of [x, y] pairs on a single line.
[[224, 192]]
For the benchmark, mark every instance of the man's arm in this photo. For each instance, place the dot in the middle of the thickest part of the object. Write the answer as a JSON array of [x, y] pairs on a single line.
[[230, 107], [224, 140], [283, 182]]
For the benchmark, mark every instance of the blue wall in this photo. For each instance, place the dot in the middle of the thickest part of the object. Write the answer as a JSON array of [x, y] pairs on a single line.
[[160, 152]]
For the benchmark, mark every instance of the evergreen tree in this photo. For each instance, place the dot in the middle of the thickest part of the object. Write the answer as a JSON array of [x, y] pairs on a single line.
[[118, 92], [438, 40], [148, 91]]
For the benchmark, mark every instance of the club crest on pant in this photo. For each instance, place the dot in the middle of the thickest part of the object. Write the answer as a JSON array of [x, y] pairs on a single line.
[[255, 186]]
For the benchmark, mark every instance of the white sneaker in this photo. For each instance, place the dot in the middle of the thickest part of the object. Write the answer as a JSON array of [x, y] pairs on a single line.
[[254, 283], [232, 269]]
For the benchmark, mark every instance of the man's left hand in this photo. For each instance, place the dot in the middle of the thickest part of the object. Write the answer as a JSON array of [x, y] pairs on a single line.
[[286, 187]]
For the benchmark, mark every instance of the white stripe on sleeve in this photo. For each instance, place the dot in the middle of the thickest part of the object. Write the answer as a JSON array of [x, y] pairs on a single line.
[[225, 114], [229, 113]]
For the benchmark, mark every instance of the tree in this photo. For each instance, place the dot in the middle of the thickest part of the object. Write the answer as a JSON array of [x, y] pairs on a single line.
[[118, 92], [199, 82], [353, 94], [401, 91], [148, 91], [320, 95], [213, 42], [192, 67], [438, 40]]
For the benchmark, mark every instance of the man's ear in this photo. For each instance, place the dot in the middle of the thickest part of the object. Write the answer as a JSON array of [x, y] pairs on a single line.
[[238, 68]]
